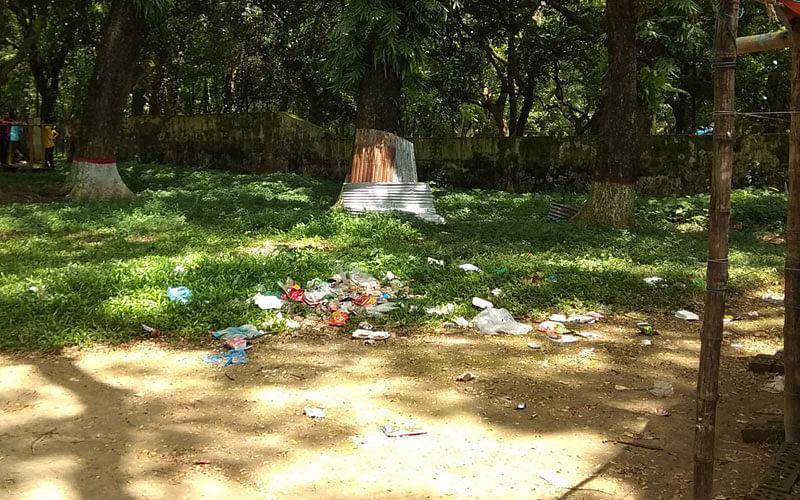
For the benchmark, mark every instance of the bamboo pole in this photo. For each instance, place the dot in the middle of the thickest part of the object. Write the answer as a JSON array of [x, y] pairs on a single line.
[[760, 43], [791, 322], [717, 270]]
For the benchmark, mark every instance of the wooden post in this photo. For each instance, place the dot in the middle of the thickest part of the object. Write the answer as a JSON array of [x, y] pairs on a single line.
[[763, 42], [44, 147], [717, 270], [30, 141], [791, 322]]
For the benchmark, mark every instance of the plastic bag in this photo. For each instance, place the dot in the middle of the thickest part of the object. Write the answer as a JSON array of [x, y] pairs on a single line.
[[179, 294], [492, 321], [238, 332]]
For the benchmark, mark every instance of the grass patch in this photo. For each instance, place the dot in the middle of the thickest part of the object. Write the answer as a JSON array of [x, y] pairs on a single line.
[[101, 269]]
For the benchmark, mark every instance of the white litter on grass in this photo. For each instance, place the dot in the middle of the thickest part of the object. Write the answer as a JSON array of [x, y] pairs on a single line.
[[370, 334], [775, 386], [390, 276], [581, 318], [462, 321], [267, 301], [491, 321], [441, 310], [586, 352], [557, 317], [435, 262], [496, 292], [534, 345], [773, 298], [470, 268], [687, 315], [662, 389], [656, 281], [588, 335], [481, 303]]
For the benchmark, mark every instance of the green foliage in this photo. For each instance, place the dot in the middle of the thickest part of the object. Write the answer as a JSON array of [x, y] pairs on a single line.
[[153, 10], [381, 33], [102, 269]]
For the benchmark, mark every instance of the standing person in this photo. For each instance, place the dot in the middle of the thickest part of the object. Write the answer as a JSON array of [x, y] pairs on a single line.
[[14, 136], [4, 143], [49, 134]]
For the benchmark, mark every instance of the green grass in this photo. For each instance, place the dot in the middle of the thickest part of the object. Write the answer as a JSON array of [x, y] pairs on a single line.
[[101, 269]]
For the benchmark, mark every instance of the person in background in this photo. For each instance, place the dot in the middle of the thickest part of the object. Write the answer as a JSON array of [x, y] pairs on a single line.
[[4, 143], [14, 137], [49, 135]]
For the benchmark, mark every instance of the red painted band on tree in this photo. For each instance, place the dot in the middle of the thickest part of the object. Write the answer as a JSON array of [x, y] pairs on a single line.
[[102, 161]]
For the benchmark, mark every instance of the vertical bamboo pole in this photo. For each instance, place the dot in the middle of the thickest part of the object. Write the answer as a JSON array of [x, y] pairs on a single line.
[[717, 271], [30, 141], [791, 323]]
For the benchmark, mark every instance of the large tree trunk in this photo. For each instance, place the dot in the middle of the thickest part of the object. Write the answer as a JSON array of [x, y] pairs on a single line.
[[379, 99], [717, 268], [613, 191], [94, 170]]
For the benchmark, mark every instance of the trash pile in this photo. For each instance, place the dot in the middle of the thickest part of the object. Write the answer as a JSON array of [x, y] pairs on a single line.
[[557, 331], [346, 294]]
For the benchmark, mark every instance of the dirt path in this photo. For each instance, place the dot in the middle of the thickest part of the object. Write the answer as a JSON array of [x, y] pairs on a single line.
[[152, 421]]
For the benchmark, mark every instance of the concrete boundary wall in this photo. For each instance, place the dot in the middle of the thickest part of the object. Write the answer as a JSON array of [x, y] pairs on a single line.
[[279, 142]]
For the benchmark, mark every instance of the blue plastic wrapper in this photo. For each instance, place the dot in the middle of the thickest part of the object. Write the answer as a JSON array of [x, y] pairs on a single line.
[[179, 294]]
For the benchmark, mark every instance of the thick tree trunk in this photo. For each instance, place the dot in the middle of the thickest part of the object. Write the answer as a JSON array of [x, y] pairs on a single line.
[[95, 174], [791, 325], [717, 271], [681, 110], [379, 99], [382, 157], [613, 191]]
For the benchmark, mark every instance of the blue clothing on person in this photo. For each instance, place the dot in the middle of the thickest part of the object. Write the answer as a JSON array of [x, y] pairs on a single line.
[[15, 133]]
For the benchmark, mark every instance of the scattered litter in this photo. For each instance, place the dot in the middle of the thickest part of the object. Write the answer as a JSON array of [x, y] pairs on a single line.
[[33, 289], [753, 315], [291, 324], [587, 335], [737, 346], [699, 284], [586, 352], [555, 479], [370, 334], [382, 309], [552, 327], [622, 388], [435, 262], [660, 412], [582, 318], [202, 462], [534, 345], [775, 385], [496, 292], [491, 321], [238, 332], [238, 344], [773, 298], [179, 294], [687, 315], [391, 431], [267, 301], [552, 279], [462, 322], [656, 281], [521, 406], [647, 342], [179, 269], [150, 330], [481, 303], [562, 339], [728, 318], [501, 271], [647, 329], [390, 276], [470, 268], [232, 357], [662, 389], [314, 412], [339, 318], [560, 318], [366, 325], [441, 310], [465, 377]]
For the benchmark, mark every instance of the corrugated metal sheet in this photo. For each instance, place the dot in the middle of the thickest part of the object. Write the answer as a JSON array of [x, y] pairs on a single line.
[[409, 197]]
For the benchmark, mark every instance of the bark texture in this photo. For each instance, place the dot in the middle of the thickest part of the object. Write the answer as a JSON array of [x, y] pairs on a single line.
[[379, 99], [791, 325], [619, 148], [106, 98], [718, 228]]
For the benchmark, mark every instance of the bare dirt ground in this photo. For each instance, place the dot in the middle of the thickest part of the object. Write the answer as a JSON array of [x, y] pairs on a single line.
[[150, 420]]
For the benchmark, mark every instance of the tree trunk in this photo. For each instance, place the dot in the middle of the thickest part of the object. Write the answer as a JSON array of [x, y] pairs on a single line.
[[379, 99], [138, 100], [94, 170], [791, 325], [612, 194], [681, 110], [717, 271], [382, 157]]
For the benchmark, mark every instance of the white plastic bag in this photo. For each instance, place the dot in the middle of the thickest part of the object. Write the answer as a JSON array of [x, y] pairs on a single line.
[[491, 321]]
